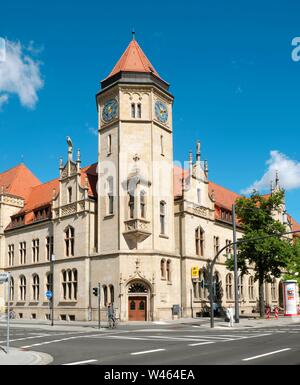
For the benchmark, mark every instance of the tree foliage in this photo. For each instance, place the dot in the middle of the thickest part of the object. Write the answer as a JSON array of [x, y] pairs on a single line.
[[293, 267], [268, 256]]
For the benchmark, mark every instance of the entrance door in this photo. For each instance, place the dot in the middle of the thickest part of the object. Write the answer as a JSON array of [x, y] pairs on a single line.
[[137, 308]]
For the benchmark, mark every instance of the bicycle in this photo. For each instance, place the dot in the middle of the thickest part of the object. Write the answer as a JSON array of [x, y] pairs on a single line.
[[112, 322]]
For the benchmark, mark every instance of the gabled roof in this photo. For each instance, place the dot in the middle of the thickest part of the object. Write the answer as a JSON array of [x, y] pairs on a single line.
[[223, 197], [133, 60], [41, 195], [18, 181]]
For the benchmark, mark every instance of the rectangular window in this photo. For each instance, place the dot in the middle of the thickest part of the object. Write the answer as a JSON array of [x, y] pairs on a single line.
[[11, 255], [139, 110], [69, 194], [199, 196], [22, 252], [133, 110], [110, 196], [108, 144], [35, 250], [216, 245], [49, 248], [162, 145], [131, 206], [162, 217]]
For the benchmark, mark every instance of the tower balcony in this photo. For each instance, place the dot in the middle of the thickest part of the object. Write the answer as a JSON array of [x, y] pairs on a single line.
[[137, 229]]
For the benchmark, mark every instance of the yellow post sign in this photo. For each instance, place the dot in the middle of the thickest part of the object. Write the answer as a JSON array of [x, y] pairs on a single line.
[[195, 272]]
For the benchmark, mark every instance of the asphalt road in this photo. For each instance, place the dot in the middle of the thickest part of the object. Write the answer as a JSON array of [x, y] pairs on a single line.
[[182, 344]]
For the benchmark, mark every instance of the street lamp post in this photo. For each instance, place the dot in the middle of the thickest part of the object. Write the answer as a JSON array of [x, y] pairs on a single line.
[[236, 292], [52, 282]]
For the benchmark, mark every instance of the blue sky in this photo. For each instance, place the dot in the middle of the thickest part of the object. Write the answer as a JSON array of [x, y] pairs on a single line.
[[229, 64]]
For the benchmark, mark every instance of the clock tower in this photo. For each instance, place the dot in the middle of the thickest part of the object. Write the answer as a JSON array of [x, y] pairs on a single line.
[[135, 188]]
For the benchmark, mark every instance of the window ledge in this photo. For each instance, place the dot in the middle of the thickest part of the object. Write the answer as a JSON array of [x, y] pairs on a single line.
[[163, 236], [169, 283], [108, 154], [108, 216]]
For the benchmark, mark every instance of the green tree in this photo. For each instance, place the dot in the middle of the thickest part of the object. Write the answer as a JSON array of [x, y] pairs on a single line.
[[293, 267], [268, 257]]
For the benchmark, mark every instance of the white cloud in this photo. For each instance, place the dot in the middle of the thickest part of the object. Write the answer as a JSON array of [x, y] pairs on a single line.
[[20, 75], [288, 169], [3, 100], [93, 130]]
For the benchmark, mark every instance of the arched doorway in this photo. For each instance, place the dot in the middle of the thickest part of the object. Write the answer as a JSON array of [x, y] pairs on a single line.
[[138, 301]]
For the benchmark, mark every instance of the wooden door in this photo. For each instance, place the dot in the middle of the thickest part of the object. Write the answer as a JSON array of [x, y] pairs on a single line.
[[137, 308]]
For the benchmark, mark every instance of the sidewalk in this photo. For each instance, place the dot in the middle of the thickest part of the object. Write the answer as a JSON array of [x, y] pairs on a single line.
[[92, 326], [22, 357]]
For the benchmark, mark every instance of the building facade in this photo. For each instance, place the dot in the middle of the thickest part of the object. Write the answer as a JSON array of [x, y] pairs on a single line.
[[133, 221]]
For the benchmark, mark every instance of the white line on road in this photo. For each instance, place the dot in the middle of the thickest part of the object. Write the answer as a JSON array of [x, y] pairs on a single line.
[[266, 354], [80, 362], [147, 351], [130, 338], [202, 343]]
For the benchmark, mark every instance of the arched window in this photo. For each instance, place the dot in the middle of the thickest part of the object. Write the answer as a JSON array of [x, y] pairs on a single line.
[[137, 287], [169, 270], [12, 288], [110, 196], [163, 268], [199, 238], [273, 290], [139, 110], [22, 288], [133, 110], [229, 286], [143, 204], [69, 284], [112, 293], [251, 288], [105, 295], [35, 287], [69, 241], [241, 286], [162, 217], [49, 286], [69, 194]]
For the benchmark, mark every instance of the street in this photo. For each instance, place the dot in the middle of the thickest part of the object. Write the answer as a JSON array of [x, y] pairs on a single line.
[[180, 344]]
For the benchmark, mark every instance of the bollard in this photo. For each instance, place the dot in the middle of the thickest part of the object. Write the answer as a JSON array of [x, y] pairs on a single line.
[[268, 312], [276, 312]]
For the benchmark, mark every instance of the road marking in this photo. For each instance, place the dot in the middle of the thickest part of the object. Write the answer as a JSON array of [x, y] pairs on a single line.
[[211, 337], [147, 351], [178, 338], [202, 343], [80, 362], [130, 338], [266, 354]]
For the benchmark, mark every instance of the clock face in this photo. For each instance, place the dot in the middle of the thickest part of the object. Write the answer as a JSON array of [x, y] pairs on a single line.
[[161, 111], [110, 110]]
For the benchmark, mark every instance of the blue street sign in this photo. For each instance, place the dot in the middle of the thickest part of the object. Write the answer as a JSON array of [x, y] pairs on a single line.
[[49, 294]]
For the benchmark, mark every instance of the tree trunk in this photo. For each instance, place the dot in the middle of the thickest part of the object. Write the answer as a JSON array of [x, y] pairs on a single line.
[[261, 297]]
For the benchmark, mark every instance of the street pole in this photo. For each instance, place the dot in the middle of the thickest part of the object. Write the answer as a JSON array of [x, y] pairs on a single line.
[[52, 299], [192, 310], [99, 303], [236, 292], [8, 311]]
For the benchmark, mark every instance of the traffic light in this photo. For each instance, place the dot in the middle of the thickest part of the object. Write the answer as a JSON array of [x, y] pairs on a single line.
[[95, 291]]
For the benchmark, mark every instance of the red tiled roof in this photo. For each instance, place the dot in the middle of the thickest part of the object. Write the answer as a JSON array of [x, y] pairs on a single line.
[[18, 181], [295, 225], [133, 60], [223, 197], [41, 196]]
